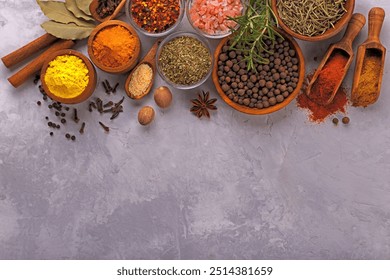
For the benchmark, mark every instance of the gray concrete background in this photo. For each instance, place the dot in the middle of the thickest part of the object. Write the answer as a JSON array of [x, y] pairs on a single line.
[[234, 187]]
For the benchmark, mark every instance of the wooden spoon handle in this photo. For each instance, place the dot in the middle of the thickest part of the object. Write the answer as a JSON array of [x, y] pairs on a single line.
[[375, 23], [354, 26]]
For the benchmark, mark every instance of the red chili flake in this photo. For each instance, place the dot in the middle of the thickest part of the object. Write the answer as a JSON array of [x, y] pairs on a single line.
[[155, 16]]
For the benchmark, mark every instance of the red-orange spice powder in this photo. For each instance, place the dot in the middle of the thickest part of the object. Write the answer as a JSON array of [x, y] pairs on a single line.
[[319, 113], [329, 77]]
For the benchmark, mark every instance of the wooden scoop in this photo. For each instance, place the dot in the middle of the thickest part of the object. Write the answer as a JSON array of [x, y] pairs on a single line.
[[343, 47], [373, 50], [95, 4], [150, 59]]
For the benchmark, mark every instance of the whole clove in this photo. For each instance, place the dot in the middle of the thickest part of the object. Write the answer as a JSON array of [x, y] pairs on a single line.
[[114, 89], [106, 128], [75, 117], [82, 128], [99, 104], [105, 87]]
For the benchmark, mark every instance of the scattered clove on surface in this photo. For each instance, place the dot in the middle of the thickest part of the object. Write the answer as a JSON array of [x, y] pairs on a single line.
[[75, 117], [82, 128], [106, 128], [99, 104]]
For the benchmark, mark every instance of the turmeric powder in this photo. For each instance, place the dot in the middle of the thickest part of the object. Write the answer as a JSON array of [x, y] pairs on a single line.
[[67, 76], [367, 90], [114, 46]]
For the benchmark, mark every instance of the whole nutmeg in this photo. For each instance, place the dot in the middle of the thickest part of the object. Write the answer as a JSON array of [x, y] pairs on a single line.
[[163, 97], [146, 115]]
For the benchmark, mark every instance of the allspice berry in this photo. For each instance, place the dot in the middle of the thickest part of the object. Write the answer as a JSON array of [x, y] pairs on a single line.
[[146, 115], [163, 97], [345, 120]]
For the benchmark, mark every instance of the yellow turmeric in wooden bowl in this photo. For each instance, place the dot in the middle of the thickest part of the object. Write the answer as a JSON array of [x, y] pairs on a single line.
[[68, 77], [114, 47]]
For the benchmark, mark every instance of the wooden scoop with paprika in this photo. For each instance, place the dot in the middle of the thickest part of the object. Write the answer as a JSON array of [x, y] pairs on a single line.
[[370, 62], [334, 66]]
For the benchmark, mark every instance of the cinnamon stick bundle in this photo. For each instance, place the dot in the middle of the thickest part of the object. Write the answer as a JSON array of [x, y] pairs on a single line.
[[26, 51]]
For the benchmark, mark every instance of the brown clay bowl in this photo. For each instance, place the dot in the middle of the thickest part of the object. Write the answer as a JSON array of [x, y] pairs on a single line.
[[88, 90], [94, 5], [350, 6], [271, 109], [127, 66]]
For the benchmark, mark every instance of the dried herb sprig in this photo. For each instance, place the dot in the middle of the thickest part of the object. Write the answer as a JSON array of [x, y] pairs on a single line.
[[256, 26], [311, 17]]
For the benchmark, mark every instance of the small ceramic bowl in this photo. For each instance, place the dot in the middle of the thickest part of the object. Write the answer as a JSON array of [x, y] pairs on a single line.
[[189, 4], [88, 90], [338, 27], [127, 66], [271, 109], [95, 4], [160, 34], [172, 37]]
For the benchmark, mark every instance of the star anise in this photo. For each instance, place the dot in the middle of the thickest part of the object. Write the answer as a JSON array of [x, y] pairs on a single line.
[[203, 104]]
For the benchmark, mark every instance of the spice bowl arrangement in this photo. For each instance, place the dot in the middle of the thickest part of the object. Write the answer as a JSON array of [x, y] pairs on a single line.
[[155, 18], [266, 89], [184, 60], [114, 47], [313, 21], [211, 19], [68, 77]]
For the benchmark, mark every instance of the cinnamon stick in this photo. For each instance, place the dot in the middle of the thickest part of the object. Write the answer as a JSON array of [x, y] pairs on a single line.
[[34, 66], [26, 51]]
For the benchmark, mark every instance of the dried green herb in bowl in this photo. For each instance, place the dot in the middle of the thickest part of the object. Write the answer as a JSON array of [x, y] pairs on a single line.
[[184, 60], [311, 17]]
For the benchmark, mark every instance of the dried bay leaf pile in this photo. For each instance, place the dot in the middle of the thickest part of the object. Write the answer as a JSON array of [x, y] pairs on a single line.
[[70, 20]]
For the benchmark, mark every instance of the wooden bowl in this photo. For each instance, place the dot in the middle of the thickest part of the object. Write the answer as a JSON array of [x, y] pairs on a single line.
[[95, 4], [127, 66], [350, 6], [88, 90], [271, 109]]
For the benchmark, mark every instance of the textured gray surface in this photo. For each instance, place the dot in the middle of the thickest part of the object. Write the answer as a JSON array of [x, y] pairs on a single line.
[[238, 186]]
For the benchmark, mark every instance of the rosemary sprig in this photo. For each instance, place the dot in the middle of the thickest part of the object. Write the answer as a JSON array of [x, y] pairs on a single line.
[[256, 26]]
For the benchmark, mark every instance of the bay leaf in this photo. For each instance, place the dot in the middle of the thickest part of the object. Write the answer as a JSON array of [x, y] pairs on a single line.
[[58, 12], [69, 31], [84, 6], [71, 5]]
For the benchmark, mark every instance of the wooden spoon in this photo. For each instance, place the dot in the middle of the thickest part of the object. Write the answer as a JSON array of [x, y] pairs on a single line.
[[150, 59], [344, 47], [372, 48], [95, 4]]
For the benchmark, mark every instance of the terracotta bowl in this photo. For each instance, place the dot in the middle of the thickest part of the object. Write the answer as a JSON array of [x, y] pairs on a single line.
[[131, 63], [88, 90], [350, 6], [271, 109]]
